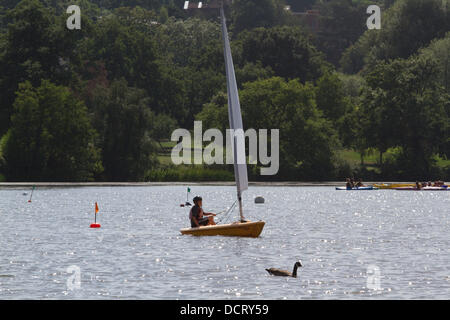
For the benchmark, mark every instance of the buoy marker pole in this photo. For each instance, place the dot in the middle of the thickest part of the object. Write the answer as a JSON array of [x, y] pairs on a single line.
[[95, 224], [187, 198], [31, 196]]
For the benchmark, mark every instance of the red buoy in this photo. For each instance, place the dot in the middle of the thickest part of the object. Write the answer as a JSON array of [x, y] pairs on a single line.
[[95, 224]]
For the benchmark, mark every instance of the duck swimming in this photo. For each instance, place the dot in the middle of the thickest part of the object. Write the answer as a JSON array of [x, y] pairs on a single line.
[[285, 273]]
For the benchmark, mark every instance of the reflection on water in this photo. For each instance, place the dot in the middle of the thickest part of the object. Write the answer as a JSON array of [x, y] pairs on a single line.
[[341, 238]]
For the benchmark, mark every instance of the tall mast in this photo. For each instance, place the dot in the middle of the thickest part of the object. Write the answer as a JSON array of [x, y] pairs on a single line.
[[235, 117]]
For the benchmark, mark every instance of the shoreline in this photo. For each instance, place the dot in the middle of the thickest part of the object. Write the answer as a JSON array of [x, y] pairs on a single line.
[[14, 185]]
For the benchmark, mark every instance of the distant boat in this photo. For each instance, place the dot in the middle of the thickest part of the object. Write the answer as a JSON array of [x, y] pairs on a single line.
[[242, 228], [393, 185], [423, 189], [357, 188]]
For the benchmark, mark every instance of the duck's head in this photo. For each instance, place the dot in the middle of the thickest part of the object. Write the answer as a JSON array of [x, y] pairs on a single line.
[[299, 263]]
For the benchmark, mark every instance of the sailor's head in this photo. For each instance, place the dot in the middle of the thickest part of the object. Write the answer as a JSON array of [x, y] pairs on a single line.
[[198, 201]]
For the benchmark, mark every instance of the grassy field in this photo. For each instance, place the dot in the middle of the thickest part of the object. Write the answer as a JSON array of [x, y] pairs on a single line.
[[169, 172], [352, 157], [442, 162]]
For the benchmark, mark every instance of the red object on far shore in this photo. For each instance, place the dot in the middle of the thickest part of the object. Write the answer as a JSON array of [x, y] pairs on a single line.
[[29, 200], [95, 225]]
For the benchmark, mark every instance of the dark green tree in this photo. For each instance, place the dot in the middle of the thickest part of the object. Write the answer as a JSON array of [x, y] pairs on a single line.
[[407, 26], [215, 113], [191, 66], [403, 106], [439, 50], [36, 46], [330, 97], [286, 50], [51, 137], [249, 14], [342, 22], [125, 126], [307, 140], [126, 53]]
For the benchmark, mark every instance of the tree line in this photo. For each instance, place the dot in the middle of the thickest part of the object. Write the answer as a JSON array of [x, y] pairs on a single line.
[[96, 104]]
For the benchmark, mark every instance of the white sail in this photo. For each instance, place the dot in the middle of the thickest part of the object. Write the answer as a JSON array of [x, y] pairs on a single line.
[[235, 117]]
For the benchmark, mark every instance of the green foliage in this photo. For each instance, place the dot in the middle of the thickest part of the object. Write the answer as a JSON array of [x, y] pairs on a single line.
[[183, 42], [252, 72], [51, 137], [2, 18], [402, 106], [110, 4], [342, 23], [330, 96], [286, 50], [351, 84], [125, 51], [191, 66], [249, 14], [34, 47], [215, 113], [355, 57], [3, 141], [125, 123], [406, 27], [300, 5], [410, 25], [139, 69], [163, 126], [306, 138], [163, 15], [439, 50]]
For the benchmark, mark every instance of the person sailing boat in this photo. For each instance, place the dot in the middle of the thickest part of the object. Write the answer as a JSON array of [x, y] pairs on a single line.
[[198, 217]]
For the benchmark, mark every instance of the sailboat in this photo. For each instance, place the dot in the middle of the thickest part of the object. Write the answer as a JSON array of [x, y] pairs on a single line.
[[243, 227]]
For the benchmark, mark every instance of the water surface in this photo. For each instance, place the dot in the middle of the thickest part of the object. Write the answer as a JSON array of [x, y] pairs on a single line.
[[340, 236]]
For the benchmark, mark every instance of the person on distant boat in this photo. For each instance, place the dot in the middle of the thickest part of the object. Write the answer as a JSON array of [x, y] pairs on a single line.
[[439, 183], [349, 184], [418, 186], [198, 217], [359, 184]]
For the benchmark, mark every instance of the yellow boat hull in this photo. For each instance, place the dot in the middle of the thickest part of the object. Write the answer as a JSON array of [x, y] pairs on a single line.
[[393, 186], [237, 229]]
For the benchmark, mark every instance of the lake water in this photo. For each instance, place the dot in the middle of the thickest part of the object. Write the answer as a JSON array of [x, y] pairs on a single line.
[[353, 245]]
